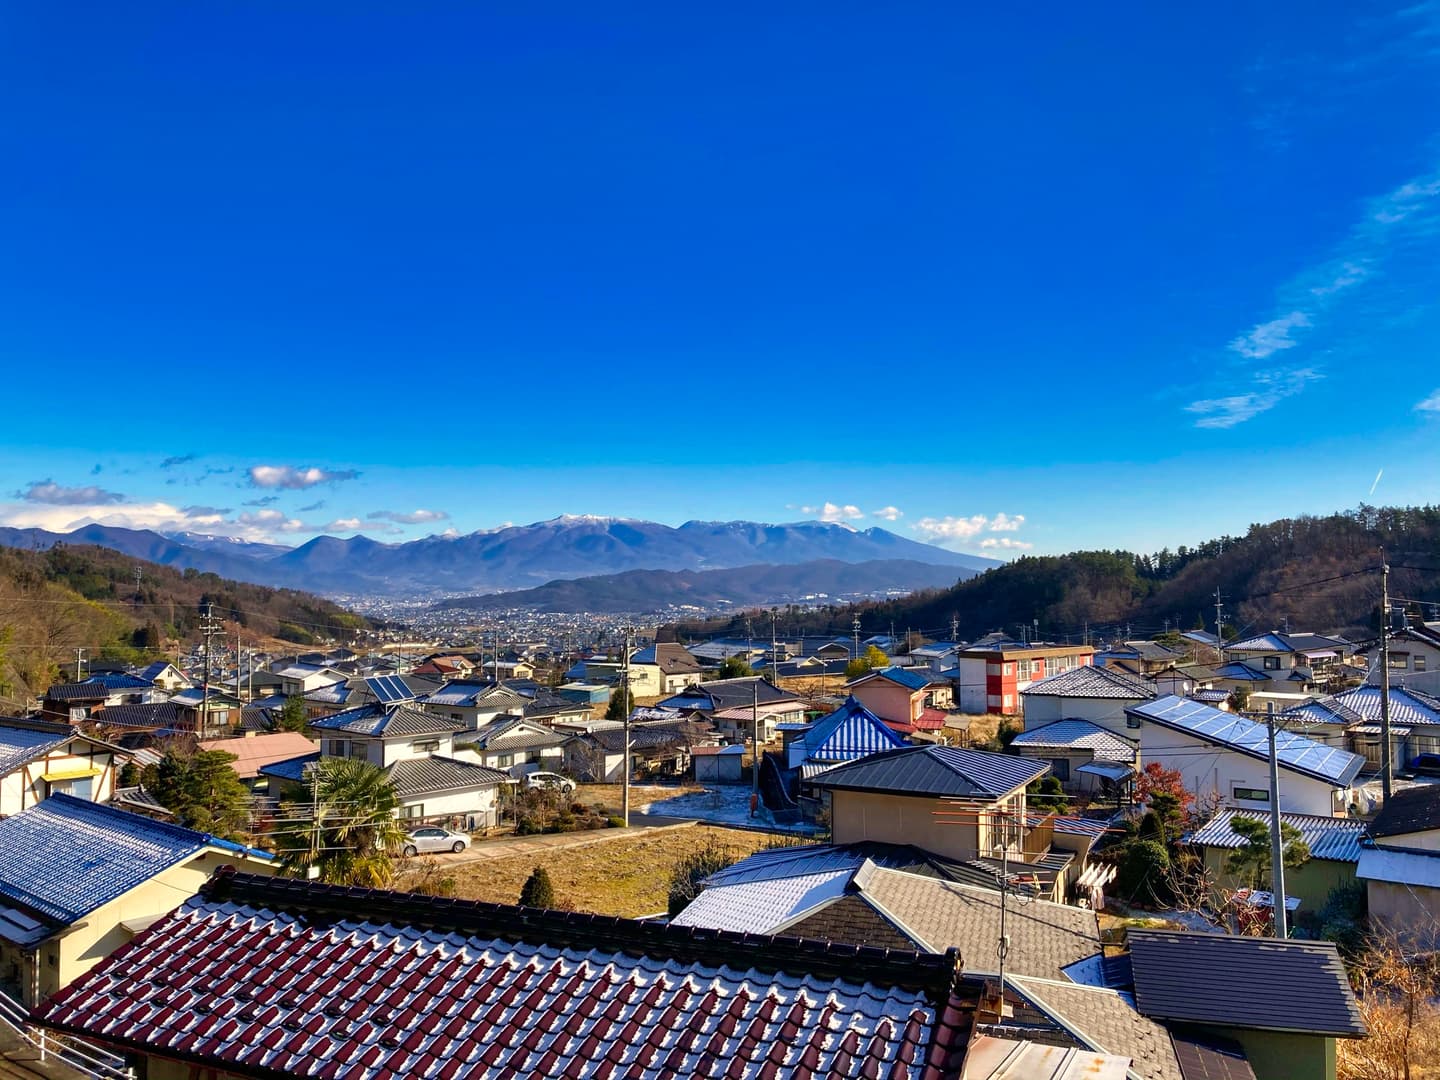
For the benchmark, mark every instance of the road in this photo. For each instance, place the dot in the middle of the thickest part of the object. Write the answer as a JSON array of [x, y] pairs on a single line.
[[506, 846]]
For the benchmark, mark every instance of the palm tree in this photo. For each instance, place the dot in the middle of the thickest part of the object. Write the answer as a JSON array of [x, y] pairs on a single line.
[[344, 833]]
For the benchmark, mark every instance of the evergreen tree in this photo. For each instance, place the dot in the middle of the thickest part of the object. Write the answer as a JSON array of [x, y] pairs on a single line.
[[346, 830], [537, 891], [202, 791], [1251, 861]]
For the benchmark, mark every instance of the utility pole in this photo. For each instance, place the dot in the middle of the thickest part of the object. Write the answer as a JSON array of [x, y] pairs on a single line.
[[1277, 842], [774, 650], [855, 627], [755, 743], [1219, 637], [626, 701], [1002, 947], [954, 628], [79, 659], [1387, 767], [209, 627], [139, 573]]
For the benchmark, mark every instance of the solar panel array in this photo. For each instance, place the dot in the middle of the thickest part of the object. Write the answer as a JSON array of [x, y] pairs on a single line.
[[389, 689]]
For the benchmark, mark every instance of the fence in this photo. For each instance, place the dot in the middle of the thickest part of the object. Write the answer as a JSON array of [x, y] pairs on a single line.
[[81, 1056]]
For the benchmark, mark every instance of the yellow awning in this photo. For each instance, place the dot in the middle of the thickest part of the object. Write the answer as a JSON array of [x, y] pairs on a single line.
[[70, 774]]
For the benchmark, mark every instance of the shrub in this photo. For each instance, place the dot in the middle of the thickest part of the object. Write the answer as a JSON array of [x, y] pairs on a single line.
[[615, 822], [537, 891], [690, 872], [1143, 869]]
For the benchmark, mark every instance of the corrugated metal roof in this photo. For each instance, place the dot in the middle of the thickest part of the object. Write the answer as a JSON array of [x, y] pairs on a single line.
[[426, 775], [850, 732], [1328, 763], [939, 771], [1089, 681], [1327, 837], [1190, 977], [1078, 734], [1417, 868], [898, 675]]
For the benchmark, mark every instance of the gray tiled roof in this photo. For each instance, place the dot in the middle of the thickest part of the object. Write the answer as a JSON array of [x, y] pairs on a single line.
[[1091, 682], [1298, 986], [376, 721], [1104, 1020], [423, 776], [940, 771], [1079, 734], [1415, 809]]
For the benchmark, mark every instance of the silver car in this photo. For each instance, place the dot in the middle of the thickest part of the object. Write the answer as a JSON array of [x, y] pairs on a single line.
[[553, 781], [432, 838]]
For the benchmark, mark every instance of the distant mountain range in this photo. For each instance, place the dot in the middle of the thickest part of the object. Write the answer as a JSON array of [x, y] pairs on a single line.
[[657, 590], [515, 557]]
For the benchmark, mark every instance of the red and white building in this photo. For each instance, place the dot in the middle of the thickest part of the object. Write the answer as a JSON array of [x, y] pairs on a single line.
[[989, 679]]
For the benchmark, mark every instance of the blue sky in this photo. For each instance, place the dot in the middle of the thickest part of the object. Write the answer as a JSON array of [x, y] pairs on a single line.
[[1008, 281]]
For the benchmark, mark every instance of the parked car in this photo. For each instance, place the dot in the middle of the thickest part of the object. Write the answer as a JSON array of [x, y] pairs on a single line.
[[551, 780], [434, 839]]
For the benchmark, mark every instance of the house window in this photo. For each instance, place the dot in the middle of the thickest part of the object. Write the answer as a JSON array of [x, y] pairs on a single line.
[[338, 748], [359, 750], [1399, 661], [504, 761], [1022, 669], [1008, 668], [411, 812], [1060, 768], [1272, 663], [1419, 661], [457, 716], [1009, 702], [1252, 794], [429, 746]]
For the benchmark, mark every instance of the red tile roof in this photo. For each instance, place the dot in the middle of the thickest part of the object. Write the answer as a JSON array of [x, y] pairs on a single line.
[[930, 720], [273, 977]]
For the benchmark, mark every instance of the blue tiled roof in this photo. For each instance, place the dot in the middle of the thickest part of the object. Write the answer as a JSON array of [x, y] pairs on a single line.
[[66, 857], [118, 680], [1328, 763], [904, 677], [851, 731], [291, 768], [938, 771], [21, 744]]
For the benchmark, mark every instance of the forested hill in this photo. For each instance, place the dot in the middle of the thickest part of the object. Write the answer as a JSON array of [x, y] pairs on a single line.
[[66, 598], [1315, 571]]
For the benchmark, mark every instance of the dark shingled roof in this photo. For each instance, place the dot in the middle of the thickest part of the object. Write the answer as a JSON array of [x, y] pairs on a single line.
[[1286, 985], [940, 771], [1412, 810]]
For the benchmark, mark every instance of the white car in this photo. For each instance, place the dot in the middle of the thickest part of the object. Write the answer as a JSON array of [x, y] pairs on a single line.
[[552, 780], [432, 839]]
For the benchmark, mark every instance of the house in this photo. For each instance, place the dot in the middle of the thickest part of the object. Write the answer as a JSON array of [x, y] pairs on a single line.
[[831, 894], [1218, 753], [516, 746], [164, 675], [1290, 666], [956, 803], [1400, 864], [903, 698], [416, 749], [1352, 718], [1086, 758], [74, 702], [1334, 844], [583, 693], [1141, 658], [473, 704], [990, 678], [1297, 996], [714, 653], [849, 733], [447, 667], [39, 759], [359, 981], [508, 669], [656, 749], [718, 764], [544, 706], [663, 668], [78, 879], [298, 679], [731, 706], [254, 752], [1183, 680], [1414, 657], [1094, 694]]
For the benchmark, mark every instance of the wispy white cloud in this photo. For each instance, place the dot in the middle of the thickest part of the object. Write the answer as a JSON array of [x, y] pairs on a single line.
[[295, 479], [1392, 227], [1430, 405], [888, 513], [1270, 388], [830, 511], [1005, 523]]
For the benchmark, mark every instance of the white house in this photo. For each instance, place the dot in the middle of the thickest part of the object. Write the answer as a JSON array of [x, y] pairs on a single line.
[[472, 704], [1226, 757], [1096, 694], [39, 759]]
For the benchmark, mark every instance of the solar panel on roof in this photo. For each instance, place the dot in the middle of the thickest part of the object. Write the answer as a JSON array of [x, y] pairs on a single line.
[[389, 689]]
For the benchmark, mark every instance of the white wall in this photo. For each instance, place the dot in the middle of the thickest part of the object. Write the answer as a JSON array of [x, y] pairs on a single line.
[[1108, 713], [970, 690], [1207, 768], [480, 805]]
